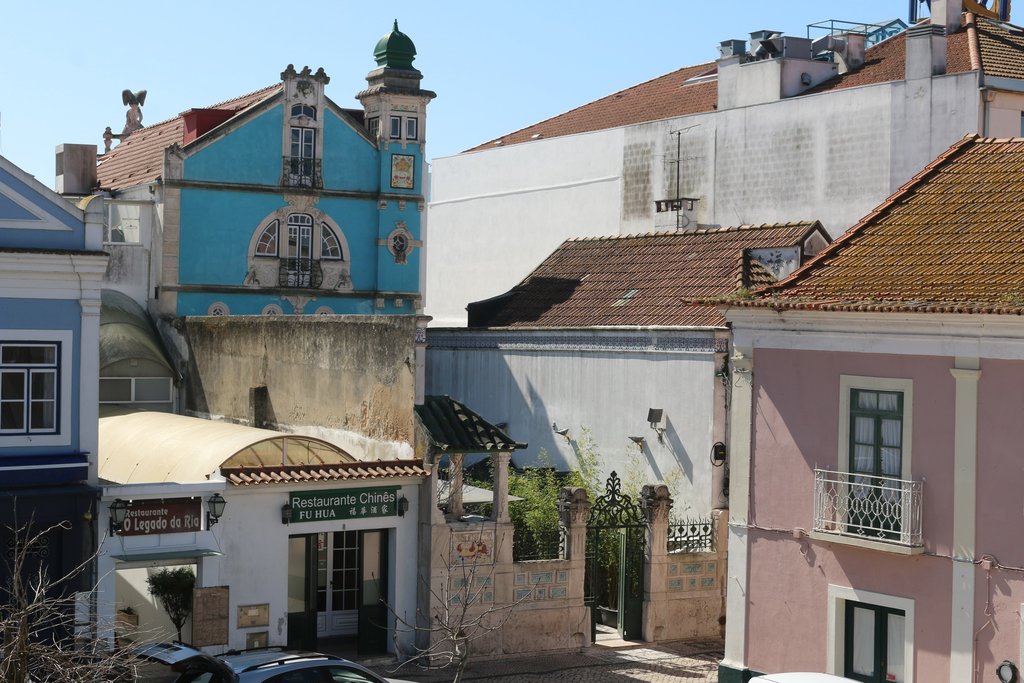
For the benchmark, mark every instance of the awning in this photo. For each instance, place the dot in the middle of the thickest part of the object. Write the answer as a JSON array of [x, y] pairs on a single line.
[[146, 555]]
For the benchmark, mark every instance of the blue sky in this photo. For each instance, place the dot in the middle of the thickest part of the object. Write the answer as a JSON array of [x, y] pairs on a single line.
[[496, 67]]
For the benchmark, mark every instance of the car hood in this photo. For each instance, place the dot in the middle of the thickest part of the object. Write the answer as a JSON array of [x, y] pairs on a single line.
[[182, 658]]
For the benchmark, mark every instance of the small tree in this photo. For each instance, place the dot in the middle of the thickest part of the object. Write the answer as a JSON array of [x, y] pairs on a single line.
[[173, 588], [38, 641]]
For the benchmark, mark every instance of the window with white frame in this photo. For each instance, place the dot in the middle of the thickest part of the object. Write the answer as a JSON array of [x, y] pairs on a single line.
[[870, 636], [396, 127], [304, 110], [411, 128], [302, 163], [373, 126], [266, 245], [330, 247], [29, 388]]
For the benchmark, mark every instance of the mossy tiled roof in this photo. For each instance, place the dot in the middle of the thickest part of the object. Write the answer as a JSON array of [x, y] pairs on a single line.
[[640, 280], [951, 240]]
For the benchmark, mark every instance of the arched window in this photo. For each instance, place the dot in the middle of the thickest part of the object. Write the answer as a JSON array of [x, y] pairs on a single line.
[[266, 245], [304, 110], [330, 247]]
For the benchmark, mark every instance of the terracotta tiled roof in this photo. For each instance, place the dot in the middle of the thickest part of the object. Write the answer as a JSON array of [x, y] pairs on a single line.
[[140, 157], [344, 471], [983, 42], [664, 97], [950, 240], [1001, 47], [639, 280], [454, 428]]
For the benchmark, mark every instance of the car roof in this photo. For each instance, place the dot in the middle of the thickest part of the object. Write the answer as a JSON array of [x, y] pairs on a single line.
[[248, 660]]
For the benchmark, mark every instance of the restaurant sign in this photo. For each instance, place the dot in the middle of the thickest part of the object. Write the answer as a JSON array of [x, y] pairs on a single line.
[[169, 516], [318, 506]]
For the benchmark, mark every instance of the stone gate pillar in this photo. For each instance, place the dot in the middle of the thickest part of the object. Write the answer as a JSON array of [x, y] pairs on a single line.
[[656, 503], [573, 509]]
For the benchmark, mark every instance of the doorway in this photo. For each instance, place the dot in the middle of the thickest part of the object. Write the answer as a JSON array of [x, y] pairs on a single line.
[[338, 589]]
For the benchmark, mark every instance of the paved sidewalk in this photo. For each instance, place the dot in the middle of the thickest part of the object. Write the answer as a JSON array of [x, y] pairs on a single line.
[[690, 661]]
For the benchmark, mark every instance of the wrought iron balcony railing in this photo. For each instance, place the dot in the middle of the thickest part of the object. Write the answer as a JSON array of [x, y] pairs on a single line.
[[875, 508], [301, 172], [300, 272]]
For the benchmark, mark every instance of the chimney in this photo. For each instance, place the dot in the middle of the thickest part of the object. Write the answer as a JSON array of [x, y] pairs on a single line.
[[75, 169], [852, 58], [926, 51], [947, 14]]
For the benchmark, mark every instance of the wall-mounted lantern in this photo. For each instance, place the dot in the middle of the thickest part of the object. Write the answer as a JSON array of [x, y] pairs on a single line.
[[639, 441], [214, 509], [118, 513], [403, 506], [654, 419], [286, 513]]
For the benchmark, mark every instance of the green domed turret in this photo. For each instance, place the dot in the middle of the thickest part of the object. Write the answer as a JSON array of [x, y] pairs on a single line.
[[395, 50]]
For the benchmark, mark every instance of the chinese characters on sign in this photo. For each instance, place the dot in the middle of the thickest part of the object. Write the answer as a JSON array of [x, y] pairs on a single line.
[[317, 506], [176, 515]]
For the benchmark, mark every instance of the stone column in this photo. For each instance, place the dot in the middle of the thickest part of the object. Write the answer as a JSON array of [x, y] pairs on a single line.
[[656, 503], [573, 509], [499, 510], [455, 509]]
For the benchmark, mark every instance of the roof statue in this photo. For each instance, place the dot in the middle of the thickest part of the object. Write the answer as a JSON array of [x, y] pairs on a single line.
[[132, 117]]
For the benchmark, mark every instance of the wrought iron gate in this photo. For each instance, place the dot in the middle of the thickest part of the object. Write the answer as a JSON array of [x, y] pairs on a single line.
[[616, 533]]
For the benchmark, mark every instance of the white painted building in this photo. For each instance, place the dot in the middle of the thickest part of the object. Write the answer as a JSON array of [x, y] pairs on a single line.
[[750, 140], [307, 542]]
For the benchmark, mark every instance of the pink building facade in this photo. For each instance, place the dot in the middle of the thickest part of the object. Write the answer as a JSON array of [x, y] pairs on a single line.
[[874, 523]]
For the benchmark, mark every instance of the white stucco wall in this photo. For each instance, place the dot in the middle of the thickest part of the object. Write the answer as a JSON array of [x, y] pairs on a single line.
[[532, 379], [833, 156], [254, 561]]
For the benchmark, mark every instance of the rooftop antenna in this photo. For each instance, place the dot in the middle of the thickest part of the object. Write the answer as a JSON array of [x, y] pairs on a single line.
[[678, 203]]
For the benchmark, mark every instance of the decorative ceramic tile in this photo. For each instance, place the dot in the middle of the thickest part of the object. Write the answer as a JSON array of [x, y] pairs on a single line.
[[488, 596], [558, 592], [540, 577], [540, 593], [675, 584], [693, 568], [673, 569], [455, 600], [707, 582], [691, 584], [712, 567], [563, 577], [482, 581], [523, 594], [458, 582], [520, 579]]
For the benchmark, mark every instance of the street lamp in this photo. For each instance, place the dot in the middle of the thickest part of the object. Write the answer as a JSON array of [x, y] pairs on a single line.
[[215, 508]]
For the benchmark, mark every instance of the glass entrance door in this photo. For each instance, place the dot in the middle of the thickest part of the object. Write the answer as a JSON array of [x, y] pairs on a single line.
[[302, 615], [337, 583], [373, 593]]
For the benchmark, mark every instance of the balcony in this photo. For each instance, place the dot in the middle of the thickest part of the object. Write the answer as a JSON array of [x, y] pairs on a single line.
[[300, 272], [879, 511], [301, 172]]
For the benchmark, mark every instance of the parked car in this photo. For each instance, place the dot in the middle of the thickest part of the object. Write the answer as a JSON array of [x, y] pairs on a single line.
[[800, 677], [262, 665]]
